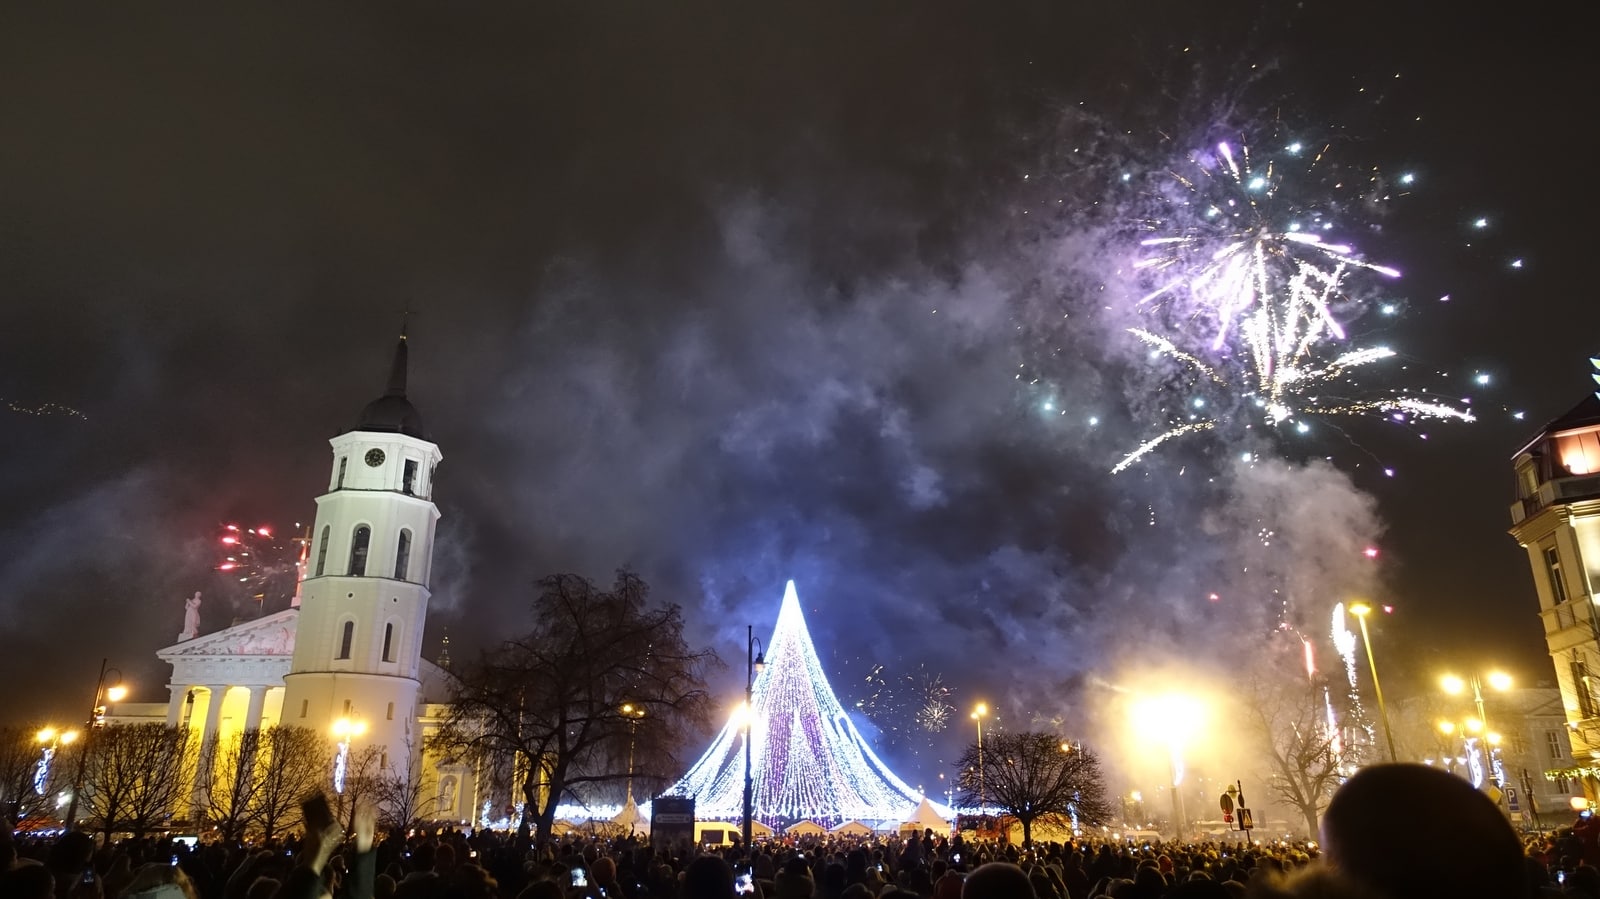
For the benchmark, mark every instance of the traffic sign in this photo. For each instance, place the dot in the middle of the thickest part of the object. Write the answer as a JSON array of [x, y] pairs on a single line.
[[1227, 805], [1246, 820], [1227, 817], [1513, 801]]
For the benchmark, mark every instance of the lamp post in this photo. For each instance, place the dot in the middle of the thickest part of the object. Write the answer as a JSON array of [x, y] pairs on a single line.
[[1498, 680], [754, 661], [345, 729], [1361, 610], [1173, 719], [633, 714], [51, 740], [977, 715], [97, 718]]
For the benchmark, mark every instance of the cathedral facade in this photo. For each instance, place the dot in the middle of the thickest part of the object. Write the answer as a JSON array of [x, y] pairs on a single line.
[[345, 659]]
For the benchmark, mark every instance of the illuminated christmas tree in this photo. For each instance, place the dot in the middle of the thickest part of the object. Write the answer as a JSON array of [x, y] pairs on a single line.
[[807, 758]]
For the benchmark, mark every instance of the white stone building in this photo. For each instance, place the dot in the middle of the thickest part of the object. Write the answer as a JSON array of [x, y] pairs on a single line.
[[1556, 518], [349, 648]]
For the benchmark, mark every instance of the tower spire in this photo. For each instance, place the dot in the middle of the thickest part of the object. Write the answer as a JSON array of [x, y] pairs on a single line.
[[397, 368]]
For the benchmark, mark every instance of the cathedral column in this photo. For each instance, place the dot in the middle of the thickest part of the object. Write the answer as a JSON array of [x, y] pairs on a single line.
[[175, 705], [202, 775], [252, 714], [213, 714]]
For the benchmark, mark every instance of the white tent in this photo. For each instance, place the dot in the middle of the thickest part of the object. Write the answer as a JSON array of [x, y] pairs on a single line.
[[628, 820], [852, 829], [805, 829], [925, 817]]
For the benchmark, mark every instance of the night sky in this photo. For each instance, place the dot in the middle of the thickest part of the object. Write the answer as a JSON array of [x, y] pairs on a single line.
[[736, 293]]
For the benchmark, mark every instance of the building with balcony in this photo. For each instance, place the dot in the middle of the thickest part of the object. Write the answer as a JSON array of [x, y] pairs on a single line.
[[1556, 518]]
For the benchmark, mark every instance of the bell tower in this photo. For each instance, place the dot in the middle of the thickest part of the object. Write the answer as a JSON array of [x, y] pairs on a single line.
[[364, 599]]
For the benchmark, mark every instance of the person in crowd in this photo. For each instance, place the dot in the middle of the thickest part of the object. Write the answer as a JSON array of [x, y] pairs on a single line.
[[997, 880], [1369, 834]]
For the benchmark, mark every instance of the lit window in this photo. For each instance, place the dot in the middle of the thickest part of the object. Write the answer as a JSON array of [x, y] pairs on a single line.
[[358, 551], [1581, 686], [1558, 585], [347, 638]]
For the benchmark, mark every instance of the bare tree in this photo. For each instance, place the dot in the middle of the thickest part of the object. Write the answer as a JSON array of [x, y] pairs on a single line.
[[26, 789], [399, 795], [292, 761], [231, 793], [553, 697], [1035, 776], [135, 775], [1289, 720], [363, 775]]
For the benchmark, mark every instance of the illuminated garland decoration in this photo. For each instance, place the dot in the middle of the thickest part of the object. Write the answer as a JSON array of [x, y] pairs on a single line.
[[808, 759]]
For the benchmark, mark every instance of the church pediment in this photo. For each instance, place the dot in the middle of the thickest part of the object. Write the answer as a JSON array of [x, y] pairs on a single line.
[[272, 636]]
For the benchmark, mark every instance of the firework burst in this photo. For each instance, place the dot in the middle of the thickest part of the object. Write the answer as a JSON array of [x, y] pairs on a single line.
[[1233, 253], [265, 565], [907, 708]]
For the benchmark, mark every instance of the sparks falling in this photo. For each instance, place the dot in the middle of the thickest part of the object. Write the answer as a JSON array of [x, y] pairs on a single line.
[[267, 566], [1257, 271]]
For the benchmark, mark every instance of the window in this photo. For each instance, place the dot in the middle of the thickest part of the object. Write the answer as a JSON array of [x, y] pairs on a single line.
[[1528, 480], [390, 715], [358, 551], [305, 706], [344, 462], [347, 707], [410, 481], [1552, 563], [1580, 685], [346, 639], [322, 550], [1552, 741], [383, 760], [1562, 784], [402, 555], [388, 647]]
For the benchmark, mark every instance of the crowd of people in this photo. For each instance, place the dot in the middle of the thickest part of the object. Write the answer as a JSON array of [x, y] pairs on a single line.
[[1372, 847]]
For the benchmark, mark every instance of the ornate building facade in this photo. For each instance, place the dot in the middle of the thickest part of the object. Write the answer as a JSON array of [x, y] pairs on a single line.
[[1556, 518]]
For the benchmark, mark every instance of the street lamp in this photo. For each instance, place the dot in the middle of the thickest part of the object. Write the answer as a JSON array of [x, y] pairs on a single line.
[[97, 718], [633, 713], [1173, 718], [754, 662], [1498, 680], [51, 740], [345, 729], [1361, 610], [977, 715]]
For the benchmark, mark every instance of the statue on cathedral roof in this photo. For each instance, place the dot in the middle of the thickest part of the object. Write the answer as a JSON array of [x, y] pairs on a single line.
[[191, 618]]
